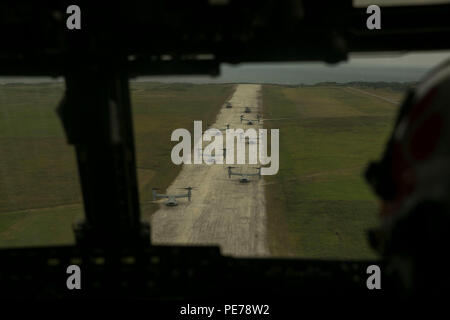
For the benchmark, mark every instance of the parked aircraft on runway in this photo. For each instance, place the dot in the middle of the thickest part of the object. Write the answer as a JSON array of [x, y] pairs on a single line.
[[171, 198], [249, 121], [247, 109], [244, 177], [220, 129], [258, 119]]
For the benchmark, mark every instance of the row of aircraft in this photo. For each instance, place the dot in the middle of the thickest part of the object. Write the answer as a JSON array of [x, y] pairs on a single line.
[[243, 177]]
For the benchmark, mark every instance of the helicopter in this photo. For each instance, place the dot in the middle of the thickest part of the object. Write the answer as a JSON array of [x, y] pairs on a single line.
[[249, 121], [244, 177], [247, 109], [210, 159], [251, 140], [217, 133], [258, 119], [171, 199], [248, 139]]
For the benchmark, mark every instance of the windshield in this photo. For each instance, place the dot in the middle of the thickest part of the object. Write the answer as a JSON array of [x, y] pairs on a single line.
[[314, 203]]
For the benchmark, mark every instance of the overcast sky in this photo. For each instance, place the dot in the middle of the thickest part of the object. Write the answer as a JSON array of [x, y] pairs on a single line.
[[425, 60], [420, 60], [374, 67]]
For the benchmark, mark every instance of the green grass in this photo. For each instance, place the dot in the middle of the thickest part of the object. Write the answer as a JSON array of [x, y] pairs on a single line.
[[319, 205], [40, 196], [159, 109], [395, 95], [35, 227]]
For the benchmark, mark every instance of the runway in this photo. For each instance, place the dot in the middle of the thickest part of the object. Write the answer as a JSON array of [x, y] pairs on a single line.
[[223, 211]]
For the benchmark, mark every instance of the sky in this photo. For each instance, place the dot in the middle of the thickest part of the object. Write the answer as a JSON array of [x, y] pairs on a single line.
[[392, 67], [416, 59], [377, 59]]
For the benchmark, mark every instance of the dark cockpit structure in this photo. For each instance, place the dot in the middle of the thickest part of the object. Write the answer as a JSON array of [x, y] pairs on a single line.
[[119, 40]]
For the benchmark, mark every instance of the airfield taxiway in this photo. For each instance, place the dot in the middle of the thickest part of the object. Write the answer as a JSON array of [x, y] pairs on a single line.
[[223, 211]]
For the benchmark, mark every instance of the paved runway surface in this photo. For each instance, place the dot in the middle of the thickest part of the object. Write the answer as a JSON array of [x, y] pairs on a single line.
[[222, 211]]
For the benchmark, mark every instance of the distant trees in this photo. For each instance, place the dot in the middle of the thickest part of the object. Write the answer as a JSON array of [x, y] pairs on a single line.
[[395, 86]]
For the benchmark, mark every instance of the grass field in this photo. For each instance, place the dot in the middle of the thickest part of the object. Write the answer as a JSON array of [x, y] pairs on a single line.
[[40, 196], [319, 206], [395, 95], [159, 109]]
